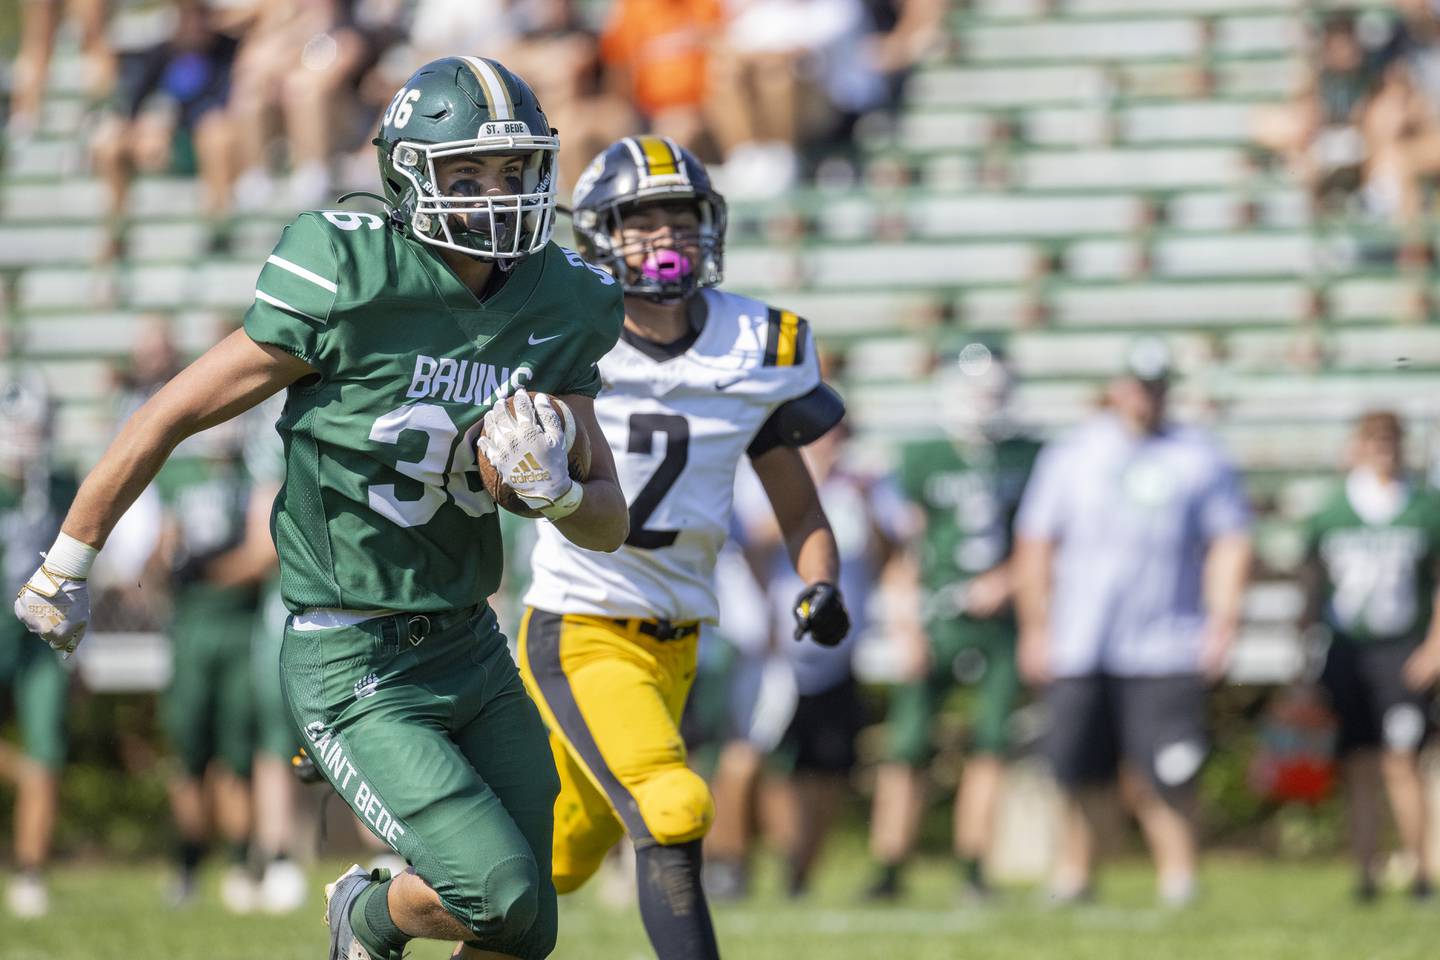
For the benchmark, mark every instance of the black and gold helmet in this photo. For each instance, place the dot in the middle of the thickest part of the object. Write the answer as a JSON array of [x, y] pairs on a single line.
[[639, 171]]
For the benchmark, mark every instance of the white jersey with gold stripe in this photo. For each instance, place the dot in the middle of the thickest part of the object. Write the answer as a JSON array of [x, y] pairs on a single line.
[[678, 417]]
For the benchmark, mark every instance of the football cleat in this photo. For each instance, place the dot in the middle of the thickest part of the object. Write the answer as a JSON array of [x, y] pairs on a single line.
[[339, 898]]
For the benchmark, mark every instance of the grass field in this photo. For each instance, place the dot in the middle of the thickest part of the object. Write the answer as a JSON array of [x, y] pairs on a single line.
[[1251, 911]]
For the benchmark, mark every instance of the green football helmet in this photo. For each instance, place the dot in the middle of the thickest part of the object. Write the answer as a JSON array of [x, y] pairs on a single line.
[[469, 105]]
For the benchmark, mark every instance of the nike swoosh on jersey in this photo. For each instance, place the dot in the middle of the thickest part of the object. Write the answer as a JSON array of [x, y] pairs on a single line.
[[535, 343], [727, 384]]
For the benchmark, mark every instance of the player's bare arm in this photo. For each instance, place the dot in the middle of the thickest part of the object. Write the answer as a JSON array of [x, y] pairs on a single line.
[[1227, 570], [227, 380], [806, 531], [602, 521]]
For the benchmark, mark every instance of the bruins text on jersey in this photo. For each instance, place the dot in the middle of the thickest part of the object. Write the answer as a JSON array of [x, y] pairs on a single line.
[[394, 336]]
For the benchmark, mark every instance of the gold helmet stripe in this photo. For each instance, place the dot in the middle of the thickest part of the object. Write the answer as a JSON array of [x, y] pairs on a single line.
[[659, 157], [497, 97]]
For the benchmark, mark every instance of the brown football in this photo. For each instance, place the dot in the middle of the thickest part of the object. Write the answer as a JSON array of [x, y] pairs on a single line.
[[579, 460]]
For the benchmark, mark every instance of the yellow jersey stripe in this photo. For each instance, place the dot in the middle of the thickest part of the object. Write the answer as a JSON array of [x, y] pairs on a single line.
[[786, 338]]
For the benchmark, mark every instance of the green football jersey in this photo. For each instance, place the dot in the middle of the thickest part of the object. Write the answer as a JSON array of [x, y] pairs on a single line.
[[207, 496], [382, 506], [30, 516], [1379, 578], [970, 495]]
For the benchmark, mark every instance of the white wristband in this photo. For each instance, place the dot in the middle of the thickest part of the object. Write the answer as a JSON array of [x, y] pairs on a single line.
[[568, 503], [70, 557]]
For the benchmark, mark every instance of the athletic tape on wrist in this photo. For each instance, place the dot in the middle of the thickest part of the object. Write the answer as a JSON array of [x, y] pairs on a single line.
[[567, 504], [70, 557]]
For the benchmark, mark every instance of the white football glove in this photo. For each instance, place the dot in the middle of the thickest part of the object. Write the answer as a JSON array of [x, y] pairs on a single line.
[[56, 607], [530, 449]]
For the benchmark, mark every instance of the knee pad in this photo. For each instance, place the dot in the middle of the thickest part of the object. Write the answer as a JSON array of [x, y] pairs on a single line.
[[676, 805], [509, 900]]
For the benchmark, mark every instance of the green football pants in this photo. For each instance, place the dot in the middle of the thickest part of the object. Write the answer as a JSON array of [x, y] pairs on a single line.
[[209, 709], [39, 688], [422, 725], [980, 653]]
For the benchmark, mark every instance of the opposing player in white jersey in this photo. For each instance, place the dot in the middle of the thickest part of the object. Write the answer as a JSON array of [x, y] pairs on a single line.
[[699, 379]]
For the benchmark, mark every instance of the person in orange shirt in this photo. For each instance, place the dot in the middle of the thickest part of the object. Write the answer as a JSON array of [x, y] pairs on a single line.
[[660, 50]]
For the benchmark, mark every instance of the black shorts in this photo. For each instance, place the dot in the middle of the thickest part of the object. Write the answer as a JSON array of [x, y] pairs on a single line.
[[1367, 690], [1155, 724], [821, 736]]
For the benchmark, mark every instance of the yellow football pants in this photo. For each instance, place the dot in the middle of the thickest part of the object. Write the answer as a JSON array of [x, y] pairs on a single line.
[[611, 696]]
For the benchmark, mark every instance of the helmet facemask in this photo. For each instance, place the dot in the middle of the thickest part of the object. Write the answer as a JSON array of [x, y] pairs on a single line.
[[505, 227], [671, 267]]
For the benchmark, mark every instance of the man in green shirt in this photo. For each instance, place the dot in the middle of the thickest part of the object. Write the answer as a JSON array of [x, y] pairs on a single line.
[[394, 336], [966, 488], [1372, 553]]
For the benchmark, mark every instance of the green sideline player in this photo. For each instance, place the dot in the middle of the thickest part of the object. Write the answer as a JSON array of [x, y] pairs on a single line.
[[1370, 574], [394, 336], [967, 486], [209, 708], [33, 496]]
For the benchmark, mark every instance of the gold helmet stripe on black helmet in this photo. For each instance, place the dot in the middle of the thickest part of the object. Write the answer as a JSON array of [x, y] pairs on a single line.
[[659, 160]]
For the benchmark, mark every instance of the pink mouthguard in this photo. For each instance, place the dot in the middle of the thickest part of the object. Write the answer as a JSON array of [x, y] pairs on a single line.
[[666, 265]]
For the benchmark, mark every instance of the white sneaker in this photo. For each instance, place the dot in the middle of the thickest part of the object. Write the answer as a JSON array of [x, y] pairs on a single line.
[[282, 889], [237, 891], [26, 897]]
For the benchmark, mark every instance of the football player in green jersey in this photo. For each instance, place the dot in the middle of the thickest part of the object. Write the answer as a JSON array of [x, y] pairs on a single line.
[[208, 710], [394, 336], [33, 497], [1373, 553], [967, 488]]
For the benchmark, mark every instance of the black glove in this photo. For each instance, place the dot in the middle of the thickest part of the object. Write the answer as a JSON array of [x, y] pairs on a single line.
[[304, 766], [820, 612]]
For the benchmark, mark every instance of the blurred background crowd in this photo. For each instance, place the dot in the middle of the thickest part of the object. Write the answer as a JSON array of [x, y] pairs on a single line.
[[1134, 315]]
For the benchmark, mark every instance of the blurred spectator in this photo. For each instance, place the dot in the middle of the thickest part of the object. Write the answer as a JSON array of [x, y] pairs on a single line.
[[794, 76], [956, 621], [170, 117], [1402, 126], [154, 359], [560, 59], [1370, 577], [1318, 133], [816, 710], [34, 496], [660, 52], [301, 64], [1133, 553], [39, 22]]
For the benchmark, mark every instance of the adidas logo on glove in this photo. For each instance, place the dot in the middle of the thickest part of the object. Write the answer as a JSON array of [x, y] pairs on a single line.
[[528, 470]]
